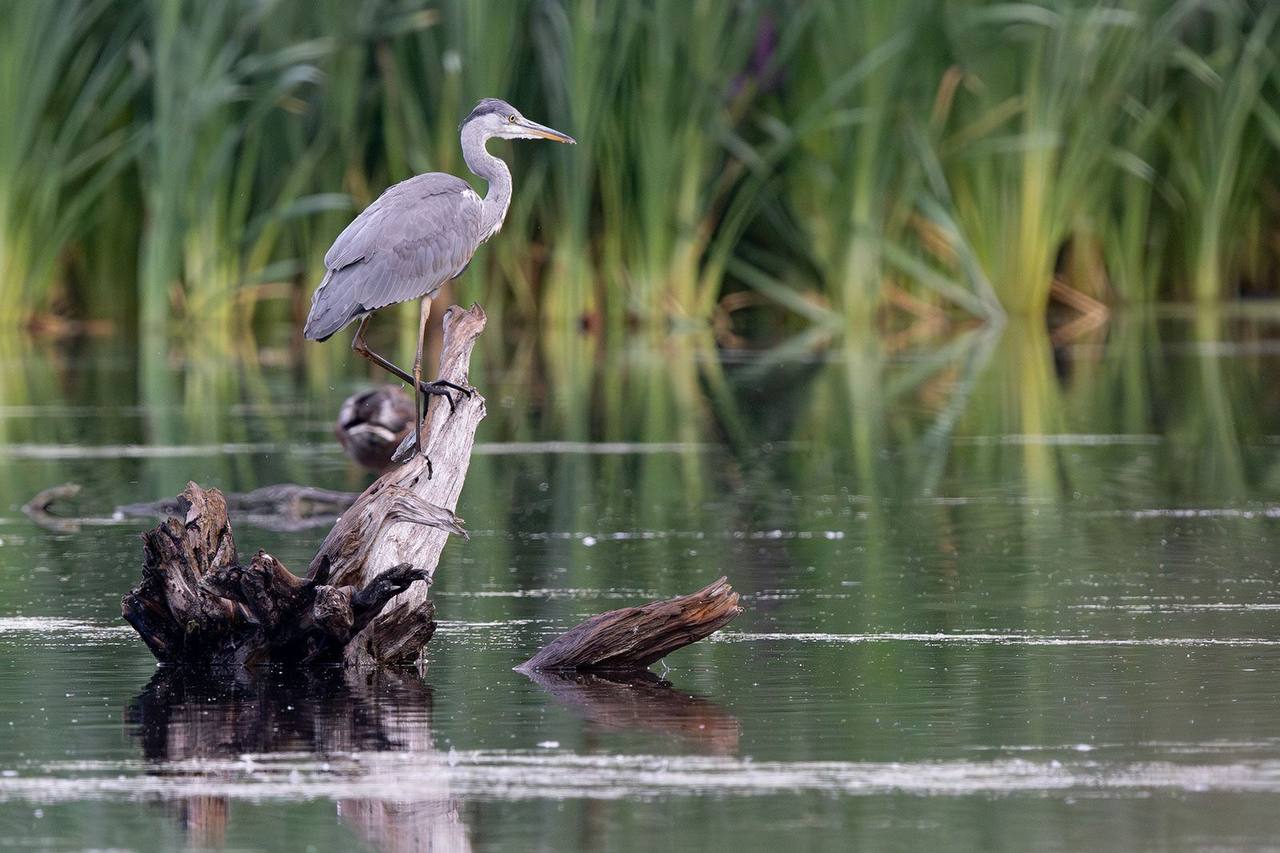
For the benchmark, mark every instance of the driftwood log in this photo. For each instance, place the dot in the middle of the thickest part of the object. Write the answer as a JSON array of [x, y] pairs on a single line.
[[364, 598], [630, 639]]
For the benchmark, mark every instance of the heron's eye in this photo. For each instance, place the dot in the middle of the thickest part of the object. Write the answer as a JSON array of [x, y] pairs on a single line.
[[511, 119]]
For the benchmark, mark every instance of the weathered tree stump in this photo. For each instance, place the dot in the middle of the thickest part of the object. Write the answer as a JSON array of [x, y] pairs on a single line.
[[630, 639], [364, 598], [198, 604], [406, 516]]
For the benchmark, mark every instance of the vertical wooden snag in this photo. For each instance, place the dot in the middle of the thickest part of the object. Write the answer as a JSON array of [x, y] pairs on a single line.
[[364, 599]]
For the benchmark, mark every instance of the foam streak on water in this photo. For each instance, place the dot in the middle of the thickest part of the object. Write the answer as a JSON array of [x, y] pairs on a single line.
[[61, 631], [498, 775], [990, 639]]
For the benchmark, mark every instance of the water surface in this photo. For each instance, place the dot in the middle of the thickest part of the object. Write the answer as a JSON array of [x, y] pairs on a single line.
[[998, 595]]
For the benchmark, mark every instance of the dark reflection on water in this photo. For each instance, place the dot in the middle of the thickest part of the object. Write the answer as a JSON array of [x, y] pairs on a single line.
[[646, 703], [184, 715], [182, 718]]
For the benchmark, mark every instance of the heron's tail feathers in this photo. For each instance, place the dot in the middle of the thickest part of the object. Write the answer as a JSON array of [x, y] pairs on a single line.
[[328, 315]]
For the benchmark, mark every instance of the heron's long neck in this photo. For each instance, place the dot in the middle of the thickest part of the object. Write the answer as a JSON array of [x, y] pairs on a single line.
[[493, 170]]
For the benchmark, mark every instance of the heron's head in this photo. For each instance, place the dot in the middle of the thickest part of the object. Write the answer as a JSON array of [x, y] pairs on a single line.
[[495, 117]]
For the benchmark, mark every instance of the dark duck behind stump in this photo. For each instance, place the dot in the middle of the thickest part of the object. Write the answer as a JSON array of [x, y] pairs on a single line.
[[372, 424]]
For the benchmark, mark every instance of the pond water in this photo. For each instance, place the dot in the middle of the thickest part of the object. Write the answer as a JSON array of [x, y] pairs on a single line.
[[998, 594]]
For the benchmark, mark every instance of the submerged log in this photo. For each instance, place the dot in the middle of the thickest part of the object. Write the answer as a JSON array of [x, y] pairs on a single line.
[[630, 639], [364, 597], [370, 426], [285, 507]]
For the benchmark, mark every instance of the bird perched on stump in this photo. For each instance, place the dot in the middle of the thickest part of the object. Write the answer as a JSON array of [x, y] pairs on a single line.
[[419, 234]]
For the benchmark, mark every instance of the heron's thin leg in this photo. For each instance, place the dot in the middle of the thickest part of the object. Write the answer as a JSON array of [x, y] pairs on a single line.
[[440, 383], [360, 348], [419, 409]]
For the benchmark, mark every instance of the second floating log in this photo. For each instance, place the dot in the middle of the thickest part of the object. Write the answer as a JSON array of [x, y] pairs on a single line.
[[630, 639]]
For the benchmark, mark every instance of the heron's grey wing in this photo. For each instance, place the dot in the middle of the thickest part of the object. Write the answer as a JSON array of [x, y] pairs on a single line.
[[418, 234], [358, 238]]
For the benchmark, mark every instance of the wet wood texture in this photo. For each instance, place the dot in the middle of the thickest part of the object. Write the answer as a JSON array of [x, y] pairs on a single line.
[[406, 516], [364, 598], [630, 639], [198, 604]]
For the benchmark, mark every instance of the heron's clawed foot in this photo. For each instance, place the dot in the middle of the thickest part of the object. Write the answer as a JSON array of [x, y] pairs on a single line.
[[442, 388], [408, 449]]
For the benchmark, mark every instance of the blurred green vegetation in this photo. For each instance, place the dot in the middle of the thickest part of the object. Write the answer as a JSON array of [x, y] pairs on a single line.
[[181, 166]]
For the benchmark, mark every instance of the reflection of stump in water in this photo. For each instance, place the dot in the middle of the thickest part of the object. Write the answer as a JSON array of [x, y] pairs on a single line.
[[643, 702], [180, 716]]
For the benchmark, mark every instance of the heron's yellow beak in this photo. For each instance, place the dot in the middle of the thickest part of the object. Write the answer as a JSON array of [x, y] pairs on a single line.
[[543, 132]]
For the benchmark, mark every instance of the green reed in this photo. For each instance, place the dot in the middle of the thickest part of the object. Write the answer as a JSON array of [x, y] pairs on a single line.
[[64, 89], [1027, 155], [1219, 152], [848, 179], [577, 48], [190, 162], [664, 177], [213, 179]]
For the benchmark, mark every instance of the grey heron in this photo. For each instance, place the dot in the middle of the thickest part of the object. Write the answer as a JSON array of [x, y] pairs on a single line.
[[419, 234]]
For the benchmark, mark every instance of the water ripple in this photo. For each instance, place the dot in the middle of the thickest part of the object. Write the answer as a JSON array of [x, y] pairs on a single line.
[[989, 639], [516, 775]]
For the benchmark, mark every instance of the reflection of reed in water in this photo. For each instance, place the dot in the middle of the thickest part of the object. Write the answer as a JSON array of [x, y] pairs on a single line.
[[181, 716], [643, 702]]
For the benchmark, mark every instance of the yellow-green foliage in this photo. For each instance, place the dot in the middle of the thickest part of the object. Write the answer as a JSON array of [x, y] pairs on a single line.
[[187, 163]]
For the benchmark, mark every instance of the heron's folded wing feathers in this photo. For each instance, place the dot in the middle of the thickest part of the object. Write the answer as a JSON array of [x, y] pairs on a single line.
[[418, 234]]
